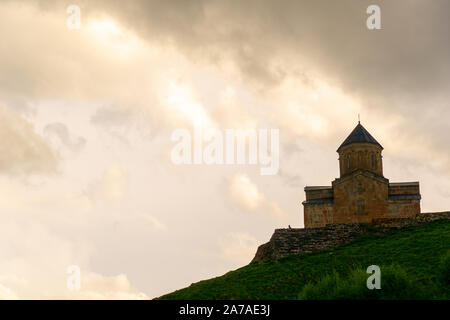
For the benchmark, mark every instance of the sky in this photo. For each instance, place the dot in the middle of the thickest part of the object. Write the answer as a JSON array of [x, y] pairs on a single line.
[[87, 117]]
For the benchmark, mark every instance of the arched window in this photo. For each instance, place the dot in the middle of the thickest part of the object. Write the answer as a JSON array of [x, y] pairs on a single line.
[[373, 160], [360, 158]]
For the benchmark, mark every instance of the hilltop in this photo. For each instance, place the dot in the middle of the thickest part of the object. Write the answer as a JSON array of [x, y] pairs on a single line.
[[418, 250]]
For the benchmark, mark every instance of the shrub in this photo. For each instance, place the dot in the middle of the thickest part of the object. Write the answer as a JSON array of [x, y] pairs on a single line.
[[395, 285], [444, 273]]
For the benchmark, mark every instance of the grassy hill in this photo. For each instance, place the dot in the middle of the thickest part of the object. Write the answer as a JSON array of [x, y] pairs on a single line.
[[418, 251]]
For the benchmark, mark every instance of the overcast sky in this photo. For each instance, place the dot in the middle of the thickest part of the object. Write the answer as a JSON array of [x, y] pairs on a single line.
[[86, 118]]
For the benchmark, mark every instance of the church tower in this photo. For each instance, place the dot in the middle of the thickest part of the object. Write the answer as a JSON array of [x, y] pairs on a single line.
[[360, 151]]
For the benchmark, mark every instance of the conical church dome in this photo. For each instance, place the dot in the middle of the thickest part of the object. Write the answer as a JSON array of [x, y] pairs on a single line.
[[359, 134]]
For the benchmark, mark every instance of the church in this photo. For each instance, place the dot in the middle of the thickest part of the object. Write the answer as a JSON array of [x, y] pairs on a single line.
[[361, 193]]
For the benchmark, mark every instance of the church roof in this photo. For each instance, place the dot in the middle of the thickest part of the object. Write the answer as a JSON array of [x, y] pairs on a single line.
[[359, 134]]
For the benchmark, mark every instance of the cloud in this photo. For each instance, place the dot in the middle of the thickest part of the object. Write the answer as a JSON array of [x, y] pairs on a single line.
[[245, 194], [33, 264], [111, 116], [298, 28], [401, 70], [7, 294], [98, 287], [154, 222], [22, 150], [60, 130], [238, 248], [112, 186], [268, 45]]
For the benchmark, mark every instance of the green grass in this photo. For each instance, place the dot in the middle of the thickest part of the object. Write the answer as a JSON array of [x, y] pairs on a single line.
[[420, 253]]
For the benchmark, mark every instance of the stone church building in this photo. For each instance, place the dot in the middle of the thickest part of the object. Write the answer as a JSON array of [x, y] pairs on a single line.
[[361, 193]]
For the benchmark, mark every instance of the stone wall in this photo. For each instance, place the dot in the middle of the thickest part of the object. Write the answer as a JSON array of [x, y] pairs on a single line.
[[403, 208], [318, 213], [404, 200], [404, 188], [314, 193], [418, 219], [285, 242], [360, 197]]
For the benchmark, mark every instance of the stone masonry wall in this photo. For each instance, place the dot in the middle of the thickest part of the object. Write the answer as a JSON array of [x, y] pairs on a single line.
[[403, 208], [318, 214], [319, 193], [398, 189], [359, 198], [285, 242]]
